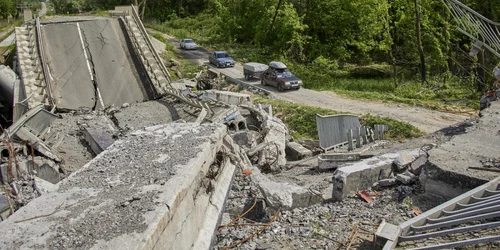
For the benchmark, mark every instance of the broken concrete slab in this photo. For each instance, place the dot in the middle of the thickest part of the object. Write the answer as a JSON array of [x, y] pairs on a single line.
[[353, 177], [155, 197], [285, 195], [295, 151], [4, 207], [418, 164], [406, 178], [48, 173], [387, 182], [45, 186], [273, 156], [329, 161], [403, 160], [98, 139], [227, 97]]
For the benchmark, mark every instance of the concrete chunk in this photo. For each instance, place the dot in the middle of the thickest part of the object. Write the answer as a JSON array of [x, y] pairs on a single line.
[[403, 160], [296, 151], [417, 165], [361, 175], [99, 140], [387, 182], [285, 195], [333, 160]]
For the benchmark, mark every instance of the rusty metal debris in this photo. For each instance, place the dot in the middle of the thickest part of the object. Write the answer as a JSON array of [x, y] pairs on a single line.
[[365, 195]]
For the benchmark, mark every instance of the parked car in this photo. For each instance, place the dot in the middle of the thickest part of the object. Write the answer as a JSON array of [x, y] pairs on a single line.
[[187, 43], [278, 75], [221, 59], [253, 70]]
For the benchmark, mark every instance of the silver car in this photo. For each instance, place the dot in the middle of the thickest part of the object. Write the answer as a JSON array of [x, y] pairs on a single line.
[[187, 43]]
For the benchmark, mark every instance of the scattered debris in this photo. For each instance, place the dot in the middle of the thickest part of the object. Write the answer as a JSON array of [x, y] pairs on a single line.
[[246, 171], [365, 195]]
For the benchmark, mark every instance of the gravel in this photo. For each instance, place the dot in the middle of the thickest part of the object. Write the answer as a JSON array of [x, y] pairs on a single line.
[[119, 180]]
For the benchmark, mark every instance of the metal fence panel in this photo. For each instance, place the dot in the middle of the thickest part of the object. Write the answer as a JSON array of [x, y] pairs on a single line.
[[332, 129]]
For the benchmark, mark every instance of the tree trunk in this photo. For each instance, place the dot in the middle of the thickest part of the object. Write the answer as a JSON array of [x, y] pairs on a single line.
[[392, 60], [423, 72], [274, 19], [143, 8], [135, 3]]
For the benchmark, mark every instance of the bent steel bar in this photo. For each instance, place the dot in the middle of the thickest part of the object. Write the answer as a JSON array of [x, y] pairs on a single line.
[[475, 26]]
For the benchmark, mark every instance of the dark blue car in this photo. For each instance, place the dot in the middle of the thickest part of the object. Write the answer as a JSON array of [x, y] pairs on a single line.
[[221, 59]]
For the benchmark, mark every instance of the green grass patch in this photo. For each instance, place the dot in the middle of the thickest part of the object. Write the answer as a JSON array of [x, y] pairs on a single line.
[[301, 120]]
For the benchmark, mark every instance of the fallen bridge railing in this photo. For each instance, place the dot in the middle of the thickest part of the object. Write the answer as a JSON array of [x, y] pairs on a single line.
[[45, 69], [478, 209]]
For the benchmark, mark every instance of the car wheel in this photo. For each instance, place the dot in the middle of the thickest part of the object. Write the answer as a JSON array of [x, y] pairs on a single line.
[[297, 88], [263, 82], [247, 77], [280, 87]]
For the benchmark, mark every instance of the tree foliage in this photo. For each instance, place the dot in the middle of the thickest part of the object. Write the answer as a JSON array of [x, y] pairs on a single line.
[[335, 32], [7, 7]]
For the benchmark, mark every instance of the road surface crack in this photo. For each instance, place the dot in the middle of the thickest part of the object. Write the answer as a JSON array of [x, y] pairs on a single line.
[[92, 69]]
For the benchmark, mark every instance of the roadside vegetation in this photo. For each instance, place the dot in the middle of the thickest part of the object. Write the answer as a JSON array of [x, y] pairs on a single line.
[[184, 68], [367, 49], [301, 120]]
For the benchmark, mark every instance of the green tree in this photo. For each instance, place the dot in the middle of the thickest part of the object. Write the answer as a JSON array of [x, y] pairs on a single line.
[[7, 7]]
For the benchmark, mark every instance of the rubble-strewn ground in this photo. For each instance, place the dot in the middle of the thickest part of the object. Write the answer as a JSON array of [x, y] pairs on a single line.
[[319, 226], [331, 225]]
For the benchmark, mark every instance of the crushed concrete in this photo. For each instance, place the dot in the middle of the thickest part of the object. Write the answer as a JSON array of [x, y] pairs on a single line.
[[117, 196], [67, 139], [152, 113]]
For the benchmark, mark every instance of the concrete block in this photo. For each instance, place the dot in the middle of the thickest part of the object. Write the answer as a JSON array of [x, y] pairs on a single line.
[[418, 164], [4, 208], [387, 182], [45, 186], [226, 97], [334, 160], [285, 195], [403, 160], [99, 140], [404, 179], [386, 233], [48, 173], [361, 175], [295, 151]]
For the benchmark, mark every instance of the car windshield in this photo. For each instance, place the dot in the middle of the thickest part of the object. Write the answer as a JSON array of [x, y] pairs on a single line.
[[188, 41], [222, 55], [281, 73]]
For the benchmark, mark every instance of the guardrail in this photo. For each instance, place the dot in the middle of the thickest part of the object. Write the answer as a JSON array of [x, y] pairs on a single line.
[[475, 210], [41, 51], [138, 21]]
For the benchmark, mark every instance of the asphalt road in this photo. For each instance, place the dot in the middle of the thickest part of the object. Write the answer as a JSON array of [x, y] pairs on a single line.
[[424, 119]]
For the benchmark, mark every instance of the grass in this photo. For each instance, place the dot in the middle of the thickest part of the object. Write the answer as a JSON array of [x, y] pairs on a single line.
[[301, 120]]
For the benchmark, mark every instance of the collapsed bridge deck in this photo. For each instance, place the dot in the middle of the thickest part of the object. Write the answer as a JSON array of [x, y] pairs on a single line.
[[92, 66]]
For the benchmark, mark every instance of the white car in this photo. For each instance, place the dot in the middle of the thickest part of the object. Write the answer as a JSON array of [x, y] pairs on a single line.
[[188, 44]]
